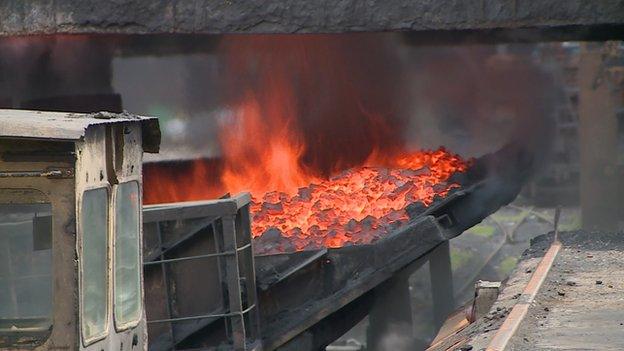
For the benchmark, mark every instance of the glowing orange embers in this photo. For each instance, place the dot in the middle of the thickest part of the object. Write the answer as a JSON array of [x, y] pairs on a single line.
[[357, 206]]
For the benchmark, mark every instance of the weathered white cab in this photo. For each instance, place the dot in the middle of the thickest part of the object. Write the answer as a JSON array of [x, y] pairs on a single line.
[[70, 230]]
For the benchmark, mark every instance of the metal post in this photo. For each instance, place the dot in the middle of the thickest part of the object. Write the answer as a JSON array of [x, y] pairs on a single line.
[[233, 283], [244, 223], [165, 278], [217, 232], [441, 283], [391, 310]]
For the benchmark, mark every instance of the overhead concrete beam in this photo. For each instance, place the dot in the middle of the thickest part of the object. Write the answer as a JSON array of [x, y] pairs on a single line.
[[584, 17]]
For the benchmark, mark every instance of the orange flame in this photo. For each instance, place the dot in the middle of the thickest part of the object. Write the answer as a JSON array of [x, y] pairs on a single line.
[[261, 153], [322, 157]]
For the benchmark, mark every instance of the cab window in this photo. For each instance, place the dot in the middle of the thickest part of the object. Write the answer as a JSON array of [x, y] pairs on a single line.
[[94, 264], [25, 272], [127, 265]]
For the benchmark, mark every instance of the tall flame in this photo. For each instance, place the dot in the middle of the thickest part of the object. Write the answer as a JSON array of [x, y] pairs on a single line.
[[314, 132], [261, 149]]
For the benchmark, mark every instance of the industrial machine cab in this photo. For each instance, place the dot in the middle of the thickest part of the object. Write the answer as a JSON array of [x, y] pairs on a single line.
[[70, 230]]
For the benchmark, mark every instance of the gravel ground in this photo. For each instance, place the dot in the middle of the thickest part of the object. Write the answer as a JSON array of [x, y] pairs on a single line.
[[581, 304], [579, 307]]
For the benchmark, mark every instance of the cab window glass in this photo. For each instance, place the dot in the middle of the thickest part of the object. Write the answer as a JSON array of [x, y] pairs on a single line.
[[25, 273], [94, 263], [127, 260]]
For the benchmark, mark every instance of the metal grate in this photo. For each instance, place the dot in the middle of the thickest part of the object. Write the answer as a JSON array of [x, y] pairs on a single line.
[[215, 284]]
